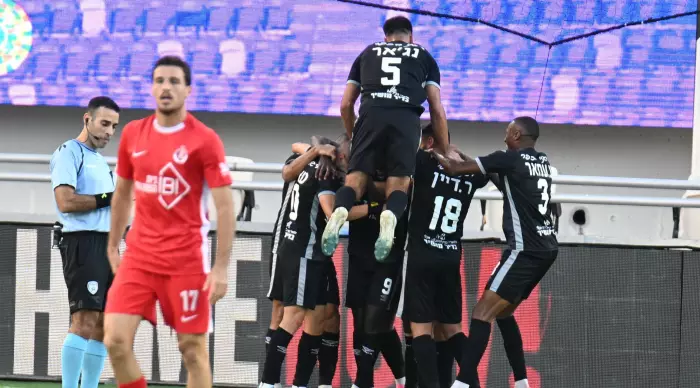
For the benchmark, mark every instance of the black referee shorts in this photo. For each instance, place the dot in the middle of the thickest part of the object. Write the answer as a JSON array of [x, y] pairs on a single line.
[[389, 134], [86, 269], [519, 272]]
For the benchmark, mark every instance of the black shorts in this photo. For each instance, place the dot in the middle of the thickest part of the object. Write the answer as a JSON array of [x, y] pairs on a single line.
[[86, 270], [519, 272], [432, 290], [304, 282], [274, 291], [389, 136], [332, 293], [376, 286]]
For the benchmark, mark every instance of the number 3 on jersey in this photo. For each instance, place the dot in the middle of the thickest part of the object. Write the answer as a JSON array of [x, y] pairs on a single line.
[[390, 66], [453, 208], [544, 186]]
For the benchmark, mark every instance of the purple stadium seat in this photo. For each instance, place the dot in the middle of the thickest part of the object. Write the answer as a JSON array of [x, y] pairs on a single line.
[[653, 117], [157, 15], [121, 93], [219, 94], [141, 59], [53, 94], [250, 97], [203, 58], [233, 57], [109, 61], [86, 92], [584, 11], [79, 60], [122, 19], [65, 14], [267, 57], [278, 17], [219, 16], [249, 18], [48, 60]]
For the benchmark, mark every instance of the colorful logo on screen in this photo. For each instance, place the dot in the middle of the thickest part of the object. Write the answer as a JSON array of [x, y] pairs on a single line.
[[15, 36]]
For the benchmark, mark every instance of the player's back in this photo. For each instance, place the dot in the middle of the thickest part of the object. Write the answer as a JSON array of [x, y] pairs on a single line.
[[304, 217], [438, 222], [172, 169], [394, 74], [281, 213], [527, 218]]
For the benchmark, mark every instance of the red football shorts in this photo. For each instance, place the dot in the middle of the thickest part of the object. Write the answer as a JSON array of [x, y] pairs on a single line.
[[184, 305]]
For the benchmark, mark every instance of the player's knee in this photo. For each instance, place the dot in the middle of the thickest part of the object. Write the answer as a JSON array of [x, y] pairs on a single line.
[[448, 330], [193, 350], [84, 323], [118, 345], [293, 317]]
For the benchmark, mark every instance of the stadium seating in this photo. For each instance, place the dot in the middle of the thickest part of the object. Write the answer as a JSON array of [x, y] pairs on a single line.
[[290, 57]]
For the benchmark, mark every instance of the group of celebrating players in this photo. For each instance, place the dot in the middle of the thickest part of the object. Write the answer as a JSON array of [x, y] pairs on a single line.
[[401, 262], [404, 250]]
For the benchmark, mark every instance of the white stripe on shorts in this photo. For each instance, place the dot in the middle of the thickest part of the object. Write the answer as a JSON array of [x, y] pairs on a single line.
[[399, 310], [503, 271], [301, 283]]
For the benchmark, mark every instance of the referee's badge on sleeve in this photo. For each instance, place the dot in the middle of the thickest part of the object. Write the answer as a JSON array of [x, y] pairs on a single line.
[[92, 287]]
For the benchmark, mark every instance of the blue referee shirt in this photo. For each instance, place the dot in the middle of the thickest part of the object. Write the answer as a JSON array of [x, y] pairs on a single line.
[[75, 164]]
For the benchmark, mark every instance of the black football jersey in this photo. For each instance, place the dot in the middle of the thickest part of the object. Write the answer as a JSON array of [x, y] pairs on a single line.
[[394, 74], [526, 181], [364, 232], [440, 205], [304, 218], [280, 220]]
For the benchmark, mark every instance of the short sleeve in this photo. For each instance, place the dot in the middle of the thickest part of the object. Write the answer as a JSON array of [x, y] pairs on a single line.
[[64, 166], [216, 170], [124, 168], [499, 161], [328, 187], [433, 77], [354, 76]]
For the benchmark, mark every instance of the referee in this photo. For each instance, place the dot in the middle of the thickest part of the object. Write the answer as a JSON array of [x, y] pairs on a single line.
[[83, 184]]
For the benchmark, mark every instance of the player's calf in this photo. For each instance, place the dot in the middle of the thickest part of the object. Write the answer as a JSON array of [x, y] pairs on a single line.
[[120, 330], [193, 348], [309, 345], [275, 320], [76, 346], [328, 354]]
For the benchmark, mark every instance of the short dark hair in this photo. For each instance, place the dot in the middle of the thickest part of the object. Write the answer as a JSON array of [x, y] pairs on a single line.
[[428, 131], [528, 126], [397, 25], [172, 60], [102, 102]]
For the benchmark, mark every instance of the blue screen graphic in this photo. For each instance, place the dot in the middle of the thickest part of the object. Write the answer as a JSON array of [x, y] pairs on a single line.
[[293, 56]]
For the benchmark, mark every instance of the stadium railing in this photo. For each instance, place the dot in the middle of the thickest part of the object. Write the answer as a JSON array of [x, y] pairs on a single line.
[[671, 184]]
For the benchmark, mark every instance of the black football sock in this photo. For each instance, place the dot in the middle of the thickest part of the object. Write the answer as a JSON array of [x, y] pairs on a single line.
[[445, 361], [411, 368], [357, 339], [368, 357], [345, 197], [396, 203], [275, 357], [268, 337], [328, 358], [392, 350], [426, 360], [479, 335], [513, 342], [458, 344], [308, 354]]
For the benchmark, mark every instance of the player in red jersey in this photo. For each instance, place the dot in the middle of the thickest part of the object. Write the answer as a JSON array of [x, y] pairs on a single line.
[[172, 163]]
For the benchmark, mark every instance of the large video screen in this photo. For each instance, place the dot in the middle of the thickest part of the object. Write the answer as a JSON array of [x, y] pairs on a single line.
[[293, 56]]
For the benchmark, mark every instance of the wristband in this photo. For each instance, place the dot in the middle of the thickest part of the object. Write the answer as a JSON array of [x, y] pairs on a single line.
[[103, 200]]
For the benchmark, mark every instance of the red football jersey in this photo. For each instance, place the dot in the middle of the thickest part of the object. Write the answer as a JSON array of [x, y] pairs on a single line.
[[173, 170]]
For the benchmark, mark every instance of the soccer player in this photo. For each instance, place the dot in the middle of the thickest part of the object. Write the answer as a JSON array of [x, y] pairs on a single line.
[[293, 166], [395, 77], [305, 272], [83, 184], [373, 291], [525, 181], [433, 284], [172, 163]]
